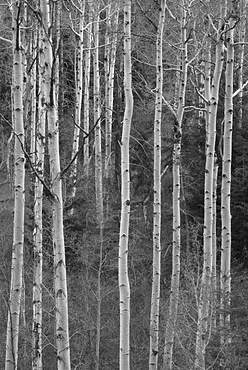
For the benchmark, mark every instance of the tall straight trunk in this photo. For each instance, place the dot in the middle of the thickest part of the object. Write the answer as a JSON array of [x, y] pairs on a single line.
[[225, 271], [214, 247], [155, 298], [110, 57], [175, 278], [78, 103], [98, 172], [16, 285], [204, 299], [33, 80], [124, 287], [61, 303], [87, 65], [38, 205]]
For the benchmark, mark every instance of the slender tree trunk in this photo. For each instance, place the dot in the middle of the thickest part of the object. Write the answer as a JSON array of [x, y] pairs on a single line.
[[38, 205], [11, 358], [61, 303], [214, 247], [98, 172], [110, 57], [155, 298], [78, 103], [175, 278], [87, 65], [225, 273], [203, 323], [124, 287]]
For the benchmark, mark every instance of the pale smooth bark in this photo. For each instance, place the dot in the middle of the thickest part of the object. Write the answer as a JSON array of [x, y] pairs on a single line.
[[124, 287], [203, 323], [61, 303], [87, 65], [78, 104], [225, 271], [110, 57], [16, 284], [214, 247], [155, 297], [176, 196], [98, 171], [38, 205]]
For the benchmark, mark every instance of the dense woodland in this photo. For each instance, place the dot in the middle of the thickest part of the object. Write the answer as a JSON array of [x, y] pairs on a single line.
[[124, 184]]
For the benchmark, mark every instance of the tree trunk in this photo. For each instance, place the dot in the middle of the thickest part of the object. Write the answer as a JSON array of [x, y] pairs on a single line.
[[203, 335], [78, 104], [38, 204], [155, 298], [98, 172], [61, 303], [124, 287], [175, 278], [87, 64], [11, 358], [225, 272]]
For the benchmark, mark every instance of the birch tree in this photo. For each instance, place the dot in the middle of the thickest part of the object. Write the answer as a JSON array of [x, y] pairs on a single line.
[[176, 228], [225, 273], [61, 309], [98, 170], [87, 68], [78, 102], [39, 147], [124, 287], [204, 298], [11, 359], [155, 299]]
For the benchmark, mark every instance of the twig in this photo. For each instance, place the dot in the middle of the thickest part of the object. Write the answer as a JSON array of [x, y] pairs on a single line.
[[29, 160], [79, 150]]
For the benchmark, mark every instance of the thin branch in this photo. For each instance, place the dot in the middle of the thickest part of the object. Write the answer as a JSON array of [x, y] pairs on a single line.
[[29, 160], [79, 150], [240, 89], [170, 108], [6, 40]]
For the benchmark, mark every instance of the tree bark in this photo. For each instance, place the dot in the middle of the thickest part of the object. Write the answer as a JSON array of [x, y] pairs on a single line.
[[176, 196], [155, 298], [16, 284], [61, 303], [124, 287]]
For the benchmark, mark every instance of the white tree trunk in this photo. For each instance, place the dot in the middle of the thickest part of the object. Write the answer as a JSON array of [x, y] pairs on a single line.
[[225, 272], [155, 298], [176, 197], [124, 287], [78, 104], [61, 303], [202, 335], [98, 171], [87, 65], [11, 358]]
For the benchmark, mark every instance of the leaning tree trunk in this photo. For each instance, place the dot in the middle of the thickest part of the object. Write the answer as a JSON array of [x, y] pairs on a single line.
[[19, 186], [155, 298], [61, 303], [124, 287]]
